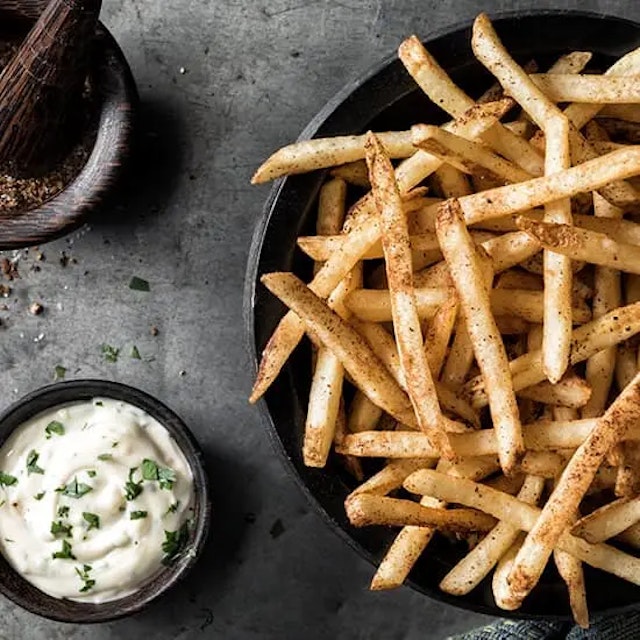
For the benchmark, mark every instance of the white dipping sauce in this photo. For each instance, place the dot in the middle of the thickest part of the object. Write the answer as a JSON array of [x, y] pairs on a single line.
[[116, 540]]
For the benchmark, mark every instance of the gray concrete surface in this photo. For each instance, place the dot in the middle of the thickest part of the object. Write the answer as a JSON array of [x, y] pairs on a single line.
[[254, 74]]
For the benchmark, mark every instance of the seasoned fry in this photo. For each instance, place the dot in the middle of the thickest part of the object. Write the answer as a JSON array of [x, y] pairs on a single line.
[[580, 244], [608, 521], [363, 414], [499, 584], [466, 155], [451, 183], [505, 507], [354, 173], [572, 391], [570, 489], [438, 334], [468, 573], [366, 509], [570, 568], [593, 89], [395, 242], [467, 274], [392, 476]]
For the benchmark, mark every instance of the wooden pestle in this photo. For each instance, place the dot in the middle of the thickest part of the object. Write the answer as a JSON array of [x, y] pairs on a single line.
[[41, 87]]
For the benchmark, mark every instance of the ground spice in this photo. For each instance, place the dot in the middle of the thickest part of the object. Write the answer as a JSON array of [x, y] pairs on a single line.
[[18, 195]]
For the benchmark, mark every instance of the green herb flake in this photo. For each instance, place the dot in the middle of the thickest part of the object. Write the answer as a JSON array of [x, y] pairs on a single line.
[[63, 511], [99, 403], [54, 427], [59, 529], [3, 503], [92, 519], [139, 284], [109, 353], [59, 372], [65, 553], [132, 489], [152, 471], [32, 460], [9, 540], [174, 543], [92, 473], [74, 489], [114, 445], [105, 456], [6, 480], [135, 354], [83, 574], [138, 515], [173, 507], [39, 496]]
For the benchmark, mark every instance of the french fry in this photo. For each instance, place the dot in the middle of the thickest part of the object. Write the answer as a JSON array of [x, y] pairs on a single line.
[[468, 276], [466, 155], [451, 183], [608, 521], [470, 571], [580, 244], [570, 569], [395, 242], [570, 489], [355, 173], [460, 358], [545, 464], [572, 391], [628, 478], [592, 89], [437, 85], [363, 414], [366, 509], [499, 584], [364, 233], [604, 332], [392, 476], [505, 507], [438, 334], [319, 153], [628, 112]]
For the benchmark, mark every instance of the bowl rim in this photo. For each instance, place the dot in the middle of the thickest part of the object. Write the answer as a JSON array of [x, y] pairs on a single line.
[[115, 122], [251, 283], [78, 390]]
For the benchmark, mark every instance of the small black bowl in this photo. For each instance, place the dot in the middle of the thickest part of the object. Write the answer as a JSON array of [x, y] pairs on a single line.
[[386, 98], [22, 592]]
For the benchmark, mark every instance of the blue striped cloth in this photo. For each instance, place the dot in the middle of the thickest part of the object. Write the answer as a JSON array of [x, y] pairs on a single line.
[[625, 627]]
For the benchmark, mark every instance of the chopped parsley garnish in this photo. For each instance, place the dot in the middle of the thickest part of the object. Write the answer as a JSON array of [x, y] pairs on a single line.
[[3, 503], [64, 553], [138, 284], [6, 480], [59, 372], [152, 471], [92, 473], [132, 489], [115, 444], [63, 511], [74, 489], [54, 427], [138, 515], [174, 543], [92, 519], [32, 466], [99, 403], [83, 574], [39, 496], [135, 354], [105, 456], [59, 529], [109, 353], [173, 507]]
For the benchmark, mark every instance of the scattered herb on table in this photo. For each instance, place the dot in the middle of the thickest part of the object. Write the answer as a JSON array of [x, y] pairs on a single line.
[[135, 354], [83, 574], [138, 515], [109, 353], [59, 372], [74, 489], [174, 543], [65, 553], [54, 427], [132, 489], [32, 463], [163, 475], [92, 519], [139, 284], [59, 529], [7, 480]]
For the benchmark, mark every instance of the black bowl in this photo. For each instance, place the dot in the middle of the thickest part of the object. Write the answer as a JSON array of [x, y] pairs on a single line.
[[23, 593], [386, 98]]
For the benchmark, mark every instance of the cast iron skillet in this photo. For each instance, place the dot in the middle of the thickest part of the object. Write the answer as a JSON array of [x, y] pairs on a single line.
[[386, 98]]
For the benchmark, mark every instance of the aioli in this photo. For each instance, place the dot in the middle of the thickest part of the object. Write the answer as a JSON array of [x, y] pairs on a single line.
[[71, 466]]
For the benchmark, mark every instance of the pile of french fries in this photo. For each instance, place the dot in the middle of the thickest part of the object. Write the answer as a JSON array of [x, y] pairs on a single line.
[[483, 298]]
